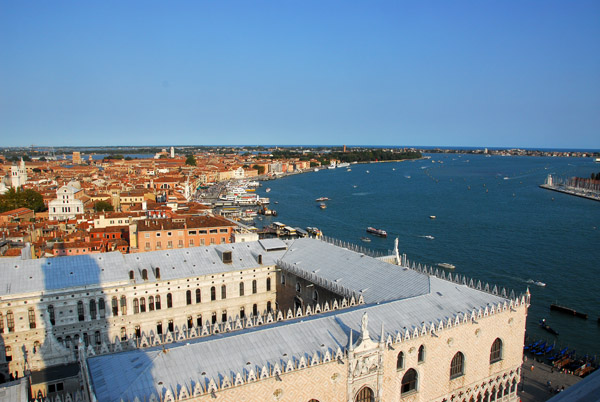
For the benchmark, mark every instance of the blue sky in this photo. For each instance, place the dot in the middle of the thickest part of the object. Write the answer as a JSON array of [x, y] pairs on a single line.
[[448, 73]]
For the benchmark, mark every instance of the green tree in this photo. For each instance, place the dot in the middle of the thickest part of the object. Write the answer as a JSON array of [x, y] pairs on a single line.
[[261, 169], [190, 160], [103, 206], [22, 199]]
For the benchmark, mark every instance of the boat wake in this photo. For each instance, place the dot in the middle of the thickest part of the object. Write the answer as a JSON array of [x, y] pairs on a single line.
[[427, 237]]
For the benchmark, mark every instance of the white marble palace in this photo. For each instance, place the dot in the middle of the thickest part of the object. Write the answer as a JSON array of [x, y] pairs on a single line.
[[296, 320]]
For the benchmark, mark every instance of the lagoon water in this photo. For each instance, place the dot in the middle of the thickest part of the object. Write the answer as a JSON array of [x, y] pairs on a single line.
[[492, 222]]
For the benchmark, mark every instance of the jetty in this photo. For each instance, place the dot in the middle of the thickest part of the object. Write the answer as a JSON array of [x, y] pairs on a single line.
[[569, 311]]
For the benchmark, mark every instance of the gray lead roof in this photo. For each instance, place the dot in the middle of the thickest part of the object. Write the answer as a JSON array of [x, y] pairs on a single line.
[[140, 371], [19, 276], [376, 280]]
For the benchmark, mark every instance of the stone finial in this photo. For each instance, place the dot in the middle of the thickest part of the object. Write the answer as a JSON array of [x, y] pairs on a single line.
[[302, 363], [183, 393], [238, 379], [198, 389]]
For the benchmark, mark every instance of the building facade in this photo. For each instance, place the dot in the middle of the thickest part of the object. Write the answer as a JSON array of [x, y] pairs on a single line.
[[297, 320], [18, 175], [166, 234], [66, 205]]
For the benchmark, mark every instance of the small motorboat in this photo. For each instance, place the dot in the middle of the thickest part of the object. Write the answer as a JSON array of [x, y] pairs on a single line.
[[365, 239], [322, 206], [432, 216], [446, 265], [322, 199]]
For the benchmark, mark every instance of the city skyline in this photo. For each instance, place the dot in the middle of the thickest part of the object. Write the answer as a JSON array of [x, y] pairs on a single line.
[[510, 75]]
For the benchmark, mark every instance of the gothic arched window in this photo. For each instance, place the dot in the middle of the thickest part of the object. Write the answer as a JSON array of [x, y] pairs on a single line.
[[457, 366], [365, 395], [409, 382], [400, 361], [421, 357], [496, 351]]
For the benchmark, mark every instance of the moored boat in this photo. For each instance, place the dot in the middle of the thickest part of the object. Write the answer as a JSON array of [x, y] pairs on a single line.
[[377, 232], [446, 265]]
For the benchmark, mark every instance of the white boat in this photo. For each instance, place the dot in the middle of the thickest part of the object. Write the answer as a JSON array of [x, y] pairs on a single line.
[[268, 190], [348, 170], [446, 265], [368, 171], [537, 283], [430, 237], [432, 216], [343, 164], [316, 170]]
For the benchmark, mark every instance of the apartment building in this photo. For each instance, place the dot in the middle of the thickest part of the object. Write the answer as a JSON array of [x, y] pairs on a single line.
[[165, 234]]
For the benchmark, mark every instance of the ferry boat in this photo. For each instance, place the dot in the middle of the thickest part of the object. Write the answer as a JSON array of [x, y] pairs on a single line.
[[446, 265], [377, 232], [343, 164], [322, 199]]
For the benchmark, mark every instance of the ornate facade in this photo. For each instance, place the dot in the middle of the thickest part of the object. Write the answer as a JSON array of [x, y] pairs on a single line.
[[299, 320]]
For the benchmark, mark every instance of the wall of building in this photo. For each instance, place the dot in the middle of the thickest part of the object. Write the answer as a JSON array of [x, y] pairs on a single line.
[[111, 327]]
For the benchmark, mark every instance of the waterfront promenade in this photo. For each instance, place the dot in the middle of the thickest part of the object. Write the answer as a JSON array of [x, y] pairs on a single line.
[[589, 194], [534, 384]]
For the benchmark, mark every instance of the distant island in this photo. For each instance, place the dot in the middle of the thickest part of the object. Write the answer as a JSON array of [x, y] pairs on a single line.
[[323, 153]]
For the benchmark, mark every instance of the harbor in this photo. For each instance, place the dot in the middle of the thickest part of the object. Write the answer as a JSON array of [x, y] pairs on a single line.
[[515, 213], [590, 191], [431, 230]]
